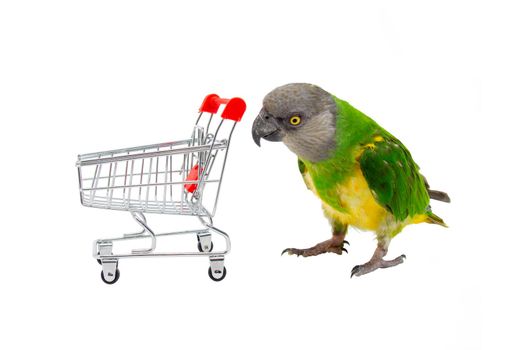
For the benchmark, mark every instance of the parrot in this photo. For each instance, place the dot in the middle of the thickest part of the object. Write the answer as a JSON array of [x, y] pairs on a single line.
[[364, 176]]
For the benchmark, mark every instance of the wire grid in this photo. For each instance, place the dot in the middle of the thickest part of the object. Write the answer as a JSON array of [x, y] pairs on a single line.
[[145, 183]]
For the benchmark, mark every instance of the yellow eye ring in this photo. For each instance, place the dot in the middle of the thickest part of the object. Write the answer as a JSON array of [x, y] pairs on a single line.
[[295, 120]]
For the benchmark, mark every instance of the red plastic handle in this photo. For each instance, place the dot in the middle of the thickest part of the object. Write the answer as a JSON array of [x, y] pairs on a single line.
[[233, 110]]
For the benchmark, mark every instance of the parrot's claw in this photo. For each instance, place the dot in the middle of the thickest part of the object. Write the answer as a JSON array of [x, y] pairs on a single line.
[[344, 250], [375, 264], [346, 242], [355, 270]]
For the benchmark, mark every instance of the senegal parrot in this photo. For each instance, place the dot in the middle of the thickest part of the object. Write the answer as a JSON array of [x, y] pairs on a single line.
[[363, 175]]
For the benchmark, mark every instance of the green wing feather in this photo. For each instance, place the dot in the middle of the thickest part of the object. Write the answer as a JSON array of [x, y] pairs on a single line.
[[394, 177]]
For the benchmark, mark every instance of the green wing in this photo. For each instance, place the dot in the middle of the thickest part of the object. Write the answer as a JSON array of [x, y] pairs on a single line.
[[394, 177]]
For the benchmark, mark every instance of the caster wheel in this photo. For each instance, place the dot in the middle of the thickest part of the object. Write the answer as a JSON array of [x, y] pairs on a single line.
[[199, 246], [117, 275], [99, 261], [215, 278]]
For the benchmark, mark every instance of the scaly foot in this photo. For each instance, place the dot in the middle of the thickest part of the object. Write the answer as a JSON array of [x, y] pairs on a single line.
[[334, 245], [376, 263]]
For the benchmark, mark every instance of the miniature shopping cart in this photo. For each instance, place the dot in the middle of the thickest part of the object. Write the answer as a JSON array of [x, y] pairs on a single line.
[[178, 178]]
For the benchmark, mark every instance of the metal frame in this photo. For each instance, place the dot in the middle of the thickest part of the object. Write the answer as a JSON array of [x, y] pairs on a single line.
[[103, 249], [146, 179]]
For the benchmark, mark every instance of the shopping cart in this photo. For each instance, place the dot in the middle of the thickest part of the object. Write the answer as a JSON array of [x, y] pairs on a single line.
[[179, 178]]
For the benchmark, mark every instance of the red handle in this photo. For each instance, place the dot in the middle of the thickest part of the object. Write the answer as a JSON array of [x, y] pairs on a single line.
[[233, 110]]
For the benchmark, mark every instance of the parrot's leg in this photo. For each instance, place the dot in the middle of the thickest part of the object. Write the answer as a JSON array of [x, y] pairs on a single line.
[[377, 261], [333, 245]]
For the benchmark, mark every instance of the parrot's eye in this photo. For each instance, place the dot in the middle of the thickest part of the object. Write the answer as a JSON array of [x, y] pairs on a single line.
[[295, 120]]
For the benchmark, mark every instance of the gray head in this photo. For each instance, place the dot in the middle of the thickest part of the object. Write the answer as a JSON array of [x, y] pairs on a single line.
[[302, 116]]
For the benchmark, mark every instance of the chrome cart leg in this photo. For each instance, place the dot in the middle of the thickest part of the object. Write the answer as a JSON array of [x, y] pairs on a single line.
[[110, 272], [204, 242], [141, 220], [102, 247], [217, 271], [137, 234]]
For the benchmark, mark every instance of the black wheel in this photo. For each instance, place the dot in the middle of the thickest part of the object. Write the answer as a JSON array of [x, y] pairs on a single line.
[[214, 278], [117, 275], [199, 246], [99, 261]]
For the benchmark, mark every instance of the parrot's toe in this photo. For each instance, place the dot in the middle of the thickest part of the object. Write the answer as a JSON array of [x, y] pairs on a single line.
[[360, 270], [375, 264], [329, 246]]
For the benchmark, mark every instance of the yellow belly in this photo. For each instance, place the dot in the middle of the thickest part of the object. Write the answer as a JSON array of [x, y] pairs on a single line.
[[361, 209]]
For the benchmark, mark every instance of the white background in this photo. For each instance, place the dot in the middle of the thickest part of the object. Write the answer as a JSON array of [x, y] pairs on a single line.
[[445, 77]]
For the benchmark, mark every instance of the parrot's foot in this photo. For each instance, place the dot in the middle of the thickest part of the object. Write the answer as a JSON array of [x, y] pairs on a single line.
[[377, 261], [333, 245], [375, 264]]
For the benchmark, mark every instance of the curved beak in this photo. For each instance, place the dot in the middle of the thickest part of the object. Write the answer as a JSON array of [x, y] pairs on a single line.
[[265, 126]]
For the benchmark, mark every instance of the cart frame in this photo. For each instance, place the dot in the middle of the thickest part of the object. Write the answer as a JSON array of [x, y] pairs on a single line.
[[146, 182]]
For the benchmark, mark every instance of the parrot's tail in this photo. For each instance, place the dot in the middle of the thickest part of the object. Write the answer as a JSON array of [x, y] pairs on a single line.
[[434, 219], [438, 196]]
